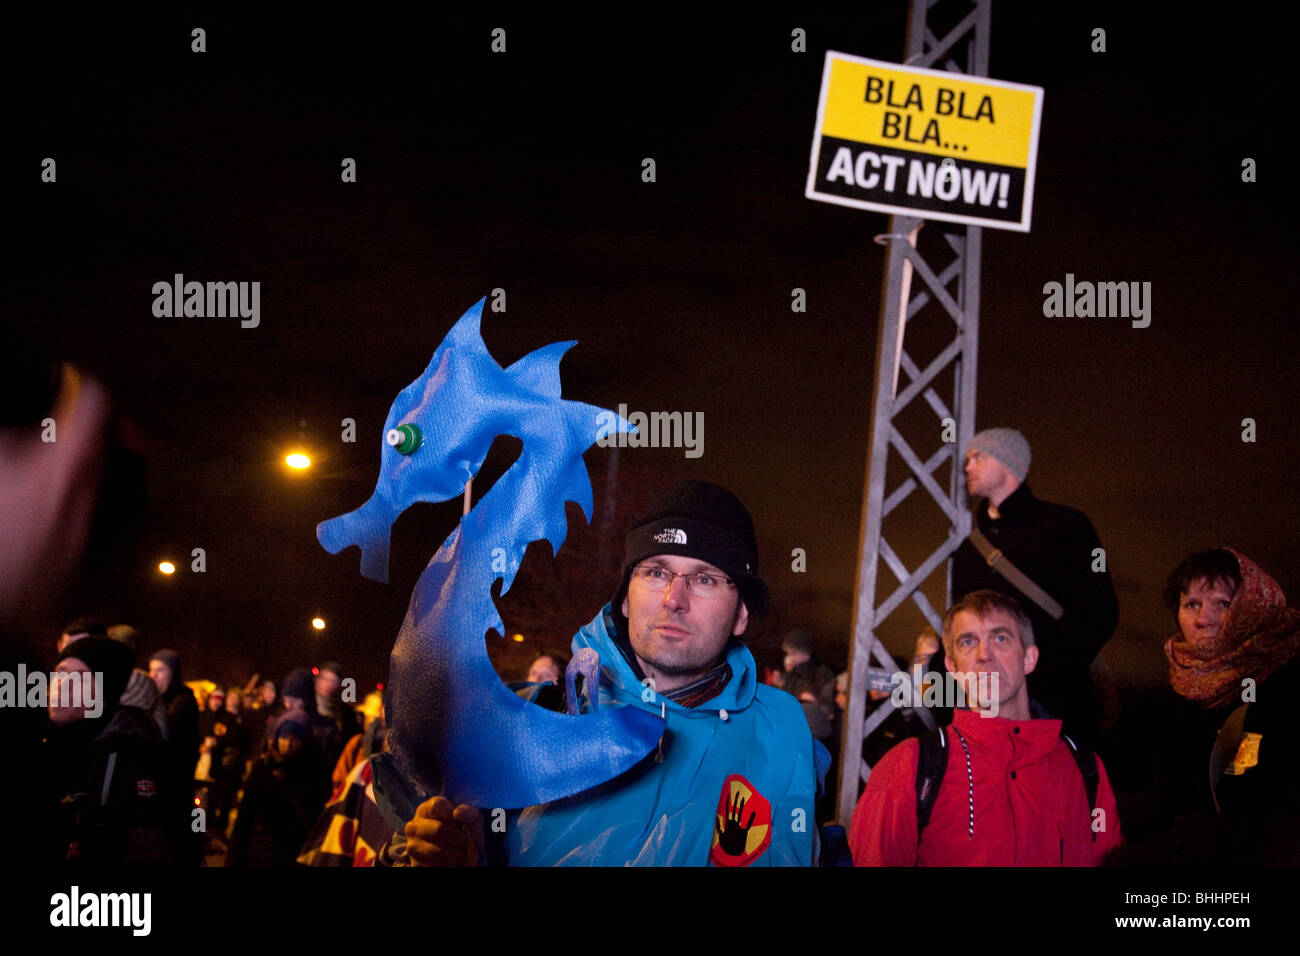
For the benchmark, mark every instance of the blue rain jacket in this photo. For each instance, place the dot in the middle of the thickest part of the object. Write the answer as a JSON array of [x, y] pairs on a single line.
[[666, 810]]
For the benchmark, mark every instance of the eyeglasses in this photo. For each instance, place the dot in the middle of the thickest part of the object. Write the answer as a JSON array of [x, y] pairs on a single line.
[[700, 583]]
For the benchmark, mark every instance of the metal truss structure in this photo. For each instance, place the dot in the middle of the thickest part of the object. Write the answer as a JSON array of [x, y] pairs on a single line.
[[949, 292]]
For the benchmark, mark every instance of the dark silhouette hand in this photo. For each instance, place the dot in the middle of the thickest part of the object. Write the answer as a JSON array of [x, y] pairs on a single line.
[[732, 839]]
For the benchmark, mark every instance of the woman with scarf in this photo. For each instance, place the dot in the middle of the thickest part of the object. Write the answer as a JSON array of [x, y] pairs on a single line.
[[1232, 768]]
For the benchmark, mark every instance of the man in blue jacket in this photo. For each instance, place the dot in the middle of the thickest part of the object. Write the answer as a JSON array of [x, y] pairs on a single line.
[[733, 781]]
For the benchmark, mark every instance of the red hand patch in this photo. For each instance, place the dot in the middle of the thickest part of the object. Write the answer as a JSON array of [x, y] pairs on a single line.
[[742, 828]]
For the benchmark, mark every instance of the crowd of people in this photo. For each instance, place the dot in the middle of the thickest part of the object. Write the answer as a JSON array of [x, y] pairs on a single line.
[[136, 769], [151, 771], [1204, 773]]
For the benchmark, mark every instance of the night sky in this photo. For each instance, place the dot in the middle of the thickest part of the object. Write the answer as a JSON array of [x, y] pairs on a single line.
[[522, 171]]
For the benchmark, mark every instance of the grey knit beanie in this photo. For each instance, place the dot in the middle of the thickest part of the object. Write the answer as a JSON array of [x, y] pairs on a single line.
[[1006, 445]]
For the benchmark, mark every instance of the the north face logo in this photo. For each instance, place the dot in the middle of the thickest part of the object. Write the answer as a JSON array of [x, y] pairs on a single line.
[[671, 536]]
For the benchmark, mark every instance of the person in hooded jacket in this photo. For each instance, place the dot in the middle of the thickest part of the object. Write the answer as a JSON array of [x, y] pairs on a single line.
[[299, 696], [733, 782], [182, 749], [111, 762], [260, 710], [1012, 789], [330, 705], [283, 796], [222, 738]]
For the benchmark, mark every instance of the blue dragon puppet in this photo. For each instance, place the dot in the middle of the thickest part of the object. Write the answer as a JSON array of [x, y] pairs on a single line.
[[454, 727]]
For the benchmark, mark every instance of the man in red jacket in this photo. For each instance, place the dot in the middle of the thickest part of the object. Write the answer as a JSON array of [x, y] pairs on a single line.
[[1012, 792]]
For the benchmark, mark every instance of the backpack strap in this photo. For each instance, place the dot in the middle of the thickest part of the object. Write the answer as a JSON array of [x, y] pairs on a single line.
[[1000, 563], [1087, 762], [931, 762]]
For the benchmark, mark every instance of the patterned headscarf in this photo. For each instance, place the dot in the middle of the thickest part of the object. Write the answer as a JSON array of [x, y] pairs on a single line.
[[1258, 635]]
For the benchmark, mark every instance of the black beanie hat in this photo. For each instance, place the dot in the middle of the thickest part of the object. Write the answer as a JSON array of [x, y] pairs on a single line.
[[173, 662], [103, 655], [298, 683], [696, 519], [291, 723]]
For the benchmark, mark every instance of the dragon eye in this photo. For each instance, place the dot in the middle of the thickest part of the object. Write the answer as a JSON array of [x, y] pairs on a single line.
[[405, 438]]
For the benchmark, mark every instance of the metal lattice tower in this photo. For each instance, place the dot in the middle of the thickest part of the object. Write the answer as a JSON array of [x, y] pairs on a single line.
[[950, 292]]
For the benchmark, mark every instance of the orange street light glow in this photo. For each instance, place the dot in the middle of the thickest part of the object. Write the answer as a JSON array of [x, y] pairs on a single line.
[[519, 638], [318, 623], [297, 460], [166, 567]]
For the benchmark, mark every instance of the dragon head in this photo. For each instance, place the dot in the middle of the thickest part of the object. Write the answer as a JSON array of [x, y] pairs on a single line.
[[440, 428]]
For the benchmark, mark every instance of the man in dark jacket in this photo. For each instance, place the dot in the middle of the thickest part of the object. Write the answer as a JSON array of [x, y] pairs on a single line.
[[330, 703], [182, 746], [283, 797], [299, 696], [1056, 549], [110, 759]]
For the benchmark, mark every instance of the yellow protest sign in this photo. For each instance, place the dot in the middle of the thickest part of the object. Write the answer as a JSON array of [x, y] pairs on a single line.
[[925, 142]]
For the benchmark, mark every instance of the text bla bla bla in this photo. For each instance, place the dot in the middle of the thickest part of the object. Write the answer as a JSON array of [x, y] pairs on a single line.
[[947, 103]]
